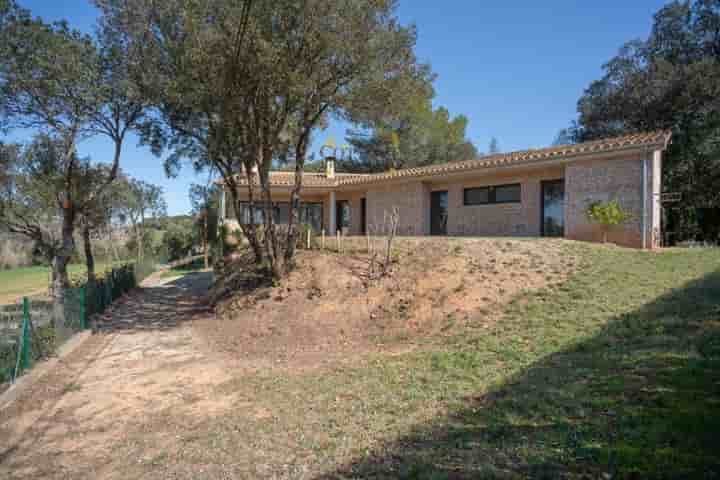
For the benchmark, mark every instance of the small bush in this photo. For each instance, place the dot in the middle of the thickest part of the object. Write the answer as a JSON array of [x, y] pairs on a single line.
[[607, 214]]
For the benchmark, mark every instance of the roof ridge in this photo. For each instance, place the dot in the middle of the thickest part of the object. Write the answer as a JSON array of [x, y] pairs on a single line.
[[655, 138], [559, 151]]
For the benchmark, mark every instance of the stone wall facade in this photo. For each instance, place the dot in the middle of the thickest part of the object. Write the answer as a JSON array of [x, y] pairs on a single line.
[[412, 201], [617, 177], [504, 219]]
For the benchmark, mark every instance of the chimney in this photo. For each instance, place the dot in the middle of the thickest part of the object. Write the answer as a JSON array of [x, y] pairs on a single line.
[[330, 167]]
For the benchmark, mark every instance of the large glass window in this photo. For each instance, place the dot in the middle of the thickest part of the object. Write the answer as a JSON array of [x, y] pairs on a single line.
[[310, 214], [477, 196], [511, 193], [343, 214], [254, 215], [507, 193]]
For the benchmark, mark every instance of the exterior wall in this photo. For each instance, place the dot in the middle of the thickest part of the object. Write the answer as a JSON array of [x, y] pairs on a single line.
[[279, 196], [612, 179], [412, 200], [618, 178], [505, 219], [355, 199]]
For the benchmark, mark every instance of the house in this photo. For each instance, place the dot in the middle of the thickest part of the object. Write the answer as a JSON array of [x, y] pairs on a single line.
[[541, 192]]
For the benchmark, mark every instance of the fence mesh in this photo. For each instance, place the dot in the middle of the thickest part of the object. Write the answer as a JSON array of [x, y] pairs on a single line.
[[34, 327]]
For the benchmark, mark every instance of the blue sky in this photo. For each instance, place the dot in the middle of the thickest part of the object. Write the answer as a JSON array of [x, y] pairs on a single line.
[[515, 69]]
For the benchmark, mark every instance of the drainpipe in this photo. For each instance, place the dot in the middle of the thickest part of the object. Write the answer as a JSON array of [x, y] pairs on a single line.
[[222, 206], [644, 199]]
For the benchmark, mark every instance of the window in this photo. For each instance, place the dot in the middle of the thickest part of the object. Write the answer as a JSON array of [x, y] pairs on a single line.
[[257, 215], [477, 196], [310, 214], [281, 213], [343, 214], [493, 194], [507, 193]]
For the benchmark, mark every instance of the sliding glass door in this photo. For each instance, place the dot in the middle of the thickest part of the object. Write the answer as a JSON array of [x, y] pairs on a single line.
[[553, 208]]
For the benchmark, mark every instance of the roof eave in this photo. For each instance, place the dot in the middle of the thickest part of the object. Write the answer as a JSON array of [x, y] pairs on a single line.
[[512, 166]]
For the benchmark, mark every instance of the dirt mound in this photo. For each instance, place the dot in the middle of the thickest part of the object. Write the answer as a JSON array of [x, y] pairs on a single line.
[[330, 309]]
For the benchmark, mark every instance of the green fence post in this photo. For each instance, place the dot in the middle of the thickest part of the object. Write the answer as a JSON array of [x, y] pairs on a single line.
[[83, 309], [26, 358]]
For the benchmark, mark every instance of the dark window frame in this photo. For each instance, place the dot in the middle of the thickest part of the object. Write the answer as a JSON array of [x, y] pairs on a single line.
[[340, 207], [491, 198], [260, 211]]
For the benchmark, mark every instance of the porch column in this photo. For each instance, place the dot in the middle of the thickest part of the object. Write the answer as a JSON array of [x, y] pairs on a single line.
[[333, 214]]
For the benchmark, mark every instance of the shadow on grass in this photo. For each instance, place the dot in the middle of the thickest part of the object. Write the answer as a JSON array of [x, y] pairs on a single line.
[[640, 399]]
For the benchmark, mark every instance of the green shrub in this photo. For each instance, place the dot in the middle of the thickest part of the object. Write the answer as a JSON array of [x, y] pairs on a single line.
[[607, 215]]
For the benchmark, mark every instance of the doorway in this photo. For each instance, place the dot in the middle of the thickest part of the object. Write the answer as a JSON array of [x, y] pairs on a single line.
[[342, 219], [552, 200], [363, 216], [438, 213]]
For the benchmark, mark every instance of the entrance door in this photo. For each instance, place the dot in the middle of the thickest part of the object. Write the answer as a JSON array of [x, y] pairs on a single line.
[[553, 208], [342, 209], [438, 213], [363, 216]]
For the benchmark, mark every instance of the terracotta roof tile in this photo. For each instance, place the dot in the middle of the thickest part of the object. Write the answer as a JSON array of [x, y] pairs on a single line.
[[310, 179], [658, 139]]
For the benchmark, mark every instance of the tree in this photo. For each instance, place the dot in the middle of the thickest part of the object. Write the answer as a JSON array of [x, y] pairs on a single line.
[[97, 215], [140, 201], [607, 215], [179, 238], [494, 146], [204, 201], [64, 85], [566, 136], [32, 180], [668, 81], [241, 84], [415, 136]]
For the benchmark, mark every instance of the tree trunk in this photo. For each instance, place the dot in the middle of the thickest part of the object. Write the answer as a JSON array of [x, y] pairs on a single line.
[[141, 246], [294, 220], [205, 241], [272, 247], [112, 245], [89, 258], [249, 229], [60, 280]]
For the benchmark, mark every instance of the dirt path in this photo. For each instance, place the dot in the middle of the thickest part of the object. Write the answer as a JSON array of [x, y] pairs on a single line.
[[75, 420], [290, 381]]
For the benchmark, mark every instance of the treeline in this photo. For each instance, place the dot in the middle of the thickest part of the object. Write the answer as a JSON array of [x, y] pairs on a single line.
[[668, 81], [118, 224]]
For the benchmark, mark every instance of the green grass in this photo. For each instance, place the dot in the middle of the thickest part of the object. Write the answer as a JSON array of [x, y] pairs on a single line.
[[196, 266], [617, 372], [19, 282], [613, 374]]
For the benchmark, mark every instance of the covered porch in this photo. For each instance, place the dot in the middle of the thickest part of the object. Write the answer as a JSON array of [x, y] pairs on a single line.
[[320, 209]]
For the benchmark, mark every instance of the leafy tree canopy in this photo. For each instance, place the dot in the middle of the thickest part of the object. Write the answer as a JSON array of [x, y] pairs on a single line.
[[245, 83], [418, 135], [671, 80]]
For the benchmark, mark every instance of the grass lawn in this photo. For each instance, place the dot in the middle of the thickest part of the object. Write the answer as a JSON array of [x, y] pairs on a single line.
[[616, 371], [196, 266], [611, 373], [19, 282]]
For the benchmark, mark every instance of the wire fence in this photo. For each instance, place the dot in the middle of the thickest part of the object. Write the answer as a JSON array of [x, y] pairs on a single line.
[[33, 328]]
